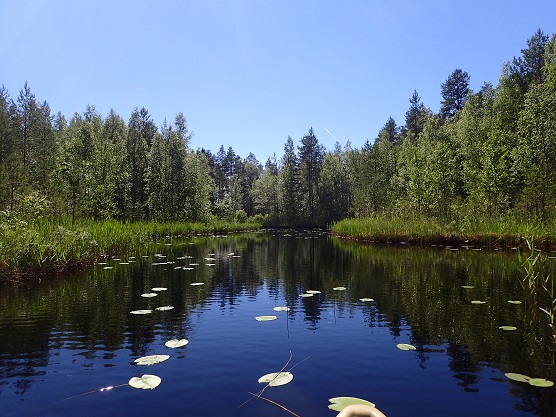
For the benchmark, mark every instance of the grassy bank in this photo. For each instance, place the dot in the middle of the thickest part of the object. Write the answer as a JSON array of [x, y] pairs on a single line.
[[503, 232], [43, 245]]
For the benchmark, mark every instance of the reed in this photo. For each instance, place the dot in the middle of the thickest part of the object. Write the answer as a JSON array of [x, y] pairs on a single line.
[[504, 232], [47, 245]]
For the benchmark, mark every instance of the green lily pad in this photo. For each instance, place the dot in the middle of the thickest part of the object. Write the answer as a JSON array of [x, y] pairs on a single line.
[[517, 377], [507, 328], [276, 379], [175, 343], [149, 295], [366, 300], [145, 382], [141, 312], [266, 318], [405, 346], [339, 403], [339, 288], [478, 302], [540, 382], [151, 359], [514, 301]]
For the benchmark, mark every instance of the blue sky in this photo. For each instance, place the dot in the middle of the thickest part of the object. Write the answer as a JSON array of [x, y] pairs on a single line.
[[248, 73]]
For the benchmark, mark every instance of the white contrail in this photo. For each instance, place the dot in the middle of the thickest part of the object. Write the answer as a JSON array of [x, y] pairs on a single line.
[[331, 134]]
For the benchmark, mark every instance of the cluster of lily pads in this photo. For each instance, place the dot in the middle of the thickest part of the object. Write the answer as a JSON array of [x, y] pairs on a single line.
[[478, 302], [306, 294], [537, 382], [148, 381], [151, 295]]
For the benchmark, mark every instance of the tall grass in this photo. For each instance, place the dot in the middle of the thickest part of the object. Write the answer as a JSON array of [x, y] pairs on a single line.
[[44, 244], [504, 231]]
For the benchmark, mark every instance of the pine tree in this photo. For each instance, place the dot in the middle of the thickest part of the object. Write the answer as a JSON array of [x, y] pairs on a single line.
[[289, 185], [414, 117], [310, 164], [454, 93]]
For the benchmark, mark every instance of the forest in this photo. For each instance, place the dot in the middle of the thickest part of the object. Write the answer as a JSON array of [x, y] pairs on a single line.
[[486, 154]]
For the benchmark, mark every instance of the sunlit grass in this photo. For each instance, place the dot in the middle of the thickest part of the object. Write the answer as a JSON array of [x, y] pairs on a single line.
[[504, 231], [56, 245]]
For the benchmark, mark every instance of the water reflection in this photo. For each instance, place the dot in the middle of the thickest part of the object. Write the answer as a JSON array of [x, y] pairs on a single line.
[[81, 323]]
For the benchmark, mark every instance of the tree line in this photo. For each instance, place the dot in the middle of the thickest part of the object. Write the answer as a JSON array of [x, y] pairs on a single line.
[[485, 154]]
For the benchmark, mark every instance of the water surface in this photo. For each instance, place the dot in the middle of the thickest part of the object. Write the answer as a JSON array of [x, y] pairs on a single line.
[[63, 339]]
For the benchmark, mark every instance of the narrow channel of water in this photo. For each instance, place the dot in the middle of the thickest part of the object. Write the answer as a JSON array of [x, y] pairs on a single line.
[[65, 338]]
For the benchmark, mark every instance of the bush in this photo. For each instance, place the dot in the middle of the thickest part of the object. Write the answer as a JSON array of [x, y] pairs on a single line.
[[240, 216]]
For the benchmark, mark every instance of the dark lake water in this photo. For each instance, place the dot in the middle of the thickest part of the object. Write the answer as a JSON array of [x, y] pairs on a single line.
[[63, 339]]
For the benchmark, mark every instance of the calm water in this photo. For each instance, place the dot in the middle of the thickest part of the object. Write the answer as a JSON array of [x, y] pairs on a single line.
[[63, 339]]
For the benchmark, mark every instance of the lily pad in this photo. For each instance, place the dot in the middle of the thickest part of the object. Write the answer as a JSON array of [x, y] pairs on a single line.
[[149, 295], [276, 379], [540, 382], [141, 312], [366, 300], [339, 403], [468, 287], [514, 301], [517, 377], [281, 308], [145, 382], [159, 289], [507, 328], [266, 318], [339, 288], [175, 343], [405, 346], [165, 308], [151, 359], [478, 302]]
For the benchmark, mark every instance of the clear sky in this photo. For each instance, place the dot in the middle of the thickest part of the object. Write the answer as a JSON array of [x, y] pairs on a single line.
[[248, 73]]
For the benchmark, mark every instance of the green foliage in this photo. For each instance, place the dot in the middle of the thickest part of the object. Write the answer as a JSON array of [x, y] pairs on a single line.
[[488, 156], [333, 187], [240, 216]]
